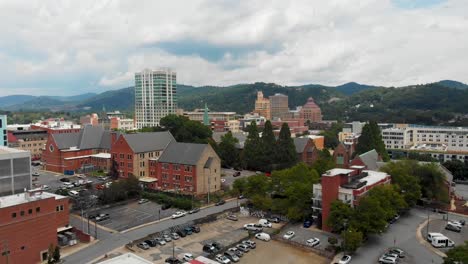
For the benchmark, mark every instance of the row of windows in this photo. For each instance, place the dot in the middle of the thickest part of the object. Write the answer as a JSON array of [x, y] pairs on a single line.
[[22, 213]]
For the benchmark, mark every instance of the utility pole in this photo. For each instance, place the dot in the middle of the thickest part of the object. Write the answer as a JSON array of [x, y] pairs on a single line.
[[427, 226]]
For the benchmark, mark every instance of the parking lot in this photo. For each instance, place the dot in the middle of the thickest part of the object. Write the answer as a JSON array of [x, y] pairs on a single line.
[[129, 215], [303, 234], [438, 226], [50, 179], [229, 178]]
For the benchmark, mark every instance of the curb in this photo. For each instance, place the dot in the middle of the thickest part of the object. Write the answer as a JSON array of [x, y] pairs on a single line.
[[423, 242]]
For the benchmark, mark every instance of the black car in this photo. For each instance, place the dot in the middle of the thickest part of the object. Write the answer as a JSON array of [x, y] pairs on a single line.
[[64, 180], [172, 260], [194, 210], [209, 248], [151, 242], [181, 233], [221, 202], [165, 206], [217, 245], [195, 229], [236, 174]]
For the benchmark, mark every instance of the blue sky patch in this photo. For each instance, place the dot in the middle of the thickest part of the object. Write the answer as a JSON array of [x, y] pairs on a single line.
[[413, 4]]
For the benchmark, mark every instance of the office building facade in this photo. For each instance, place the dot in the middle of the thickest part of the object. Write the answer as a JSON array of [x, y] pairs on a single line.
[[15, 171], [155, 96], [279, 106], [3, 131], [262, 106]]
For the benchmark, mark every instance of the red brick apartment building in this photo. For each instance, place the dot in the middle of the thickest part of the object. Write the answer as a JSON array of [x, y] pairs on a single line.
[[347, 185], [306, 150], [186, 167], [29, 223]]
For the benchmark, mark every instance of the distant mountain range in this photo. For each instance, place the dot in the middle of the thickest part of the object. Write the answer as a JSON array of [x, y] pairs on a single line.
[[348, 101]]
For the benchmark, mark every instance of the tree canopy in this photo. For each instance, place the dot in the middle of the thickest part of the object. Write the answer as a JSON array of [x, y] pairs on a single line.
[[457, 255], [370, 139], [228, 152], [185, 130], [285, 151]]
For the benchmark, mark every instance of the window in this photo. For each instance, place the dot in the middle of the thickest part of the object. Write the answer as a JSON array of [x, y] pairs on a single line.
[[13, 215], [57, 208], [188, 179], [122, 156], [129, 156], [177, 177], [165, 166], [61, 208], [164, 176], [188, 168], [176, 167], [22, 213], [38, 209], [129, 165], [30, 211]]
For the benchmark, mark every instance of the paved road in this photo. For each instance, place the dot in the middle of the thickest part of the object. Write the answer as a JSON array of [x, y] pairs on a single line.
[[401, 234], [230, 179], [110, 241], [462, 190]]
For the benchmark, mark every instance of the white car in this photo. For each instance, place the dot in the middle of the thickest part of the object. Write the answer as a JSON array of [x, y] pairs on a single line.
[[263, 236], [178, 214], [45, 187], [313, 242], [253, 227], [289, 235], [345, 259], [188, 257], [455, 223], [222, 259], [81, 176], [35, 173], [223, 180], [387, 260]]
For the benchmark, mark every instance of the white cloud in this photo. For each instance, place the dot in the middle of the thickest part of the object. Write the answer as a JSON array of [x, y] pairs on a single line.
[[288, 42]]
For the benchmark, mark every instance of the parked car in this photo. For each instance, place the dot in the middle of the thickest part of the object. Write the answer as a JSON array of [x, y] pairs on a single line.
[[73, 193], [175, 236], [188, 231], [455, 223], [241, 197], [181, 233], [209, 248], [195, 229], [188, 257], [452, 227], [222, 259], [102, 217], [160, 241], [172, 260], [151, 242], [274, 219], [397, 251], [142, 201], [387, 260], [253, 227], [250, 243], [80, 176], [307, 224], [236, 174], [143, 245], [67, 185], [167, 238], [264, 223], [100, 187], [232, 256], [220, 202], [313, 242], [289, 235], [263, 236], [345, 259], [35, 173], [102, 178], [194, 210], [236, 251], [45, 187], [64, 180], [232, 217], [243, 248], [178, 214]]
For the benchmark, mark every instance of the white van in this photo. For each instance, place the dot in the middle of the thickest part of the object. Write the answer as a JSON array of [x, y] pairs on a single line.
[[430, 236], [263, 236], [264, 223], [442, 241], [73, 193]]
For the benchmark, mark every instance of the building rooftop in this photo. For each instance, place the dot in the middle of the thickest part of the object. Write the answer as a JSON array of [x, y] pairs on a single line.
[[150, 141], [127, 258], [300, 144], [183, 153], [7, 150], [26, 197], [366, 178], [337, 171]]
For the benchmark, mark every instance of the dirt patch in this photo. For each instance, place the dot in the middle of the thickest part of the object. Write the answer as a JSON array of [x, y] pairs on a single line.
[[276, 252]]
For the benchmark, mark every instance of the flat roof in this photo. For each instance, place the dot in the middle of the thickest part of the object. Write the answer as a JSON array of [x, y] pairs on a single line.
[[22, 198], [147, 179], [7, 150], [337, 171], [127, 258], [373, 177]]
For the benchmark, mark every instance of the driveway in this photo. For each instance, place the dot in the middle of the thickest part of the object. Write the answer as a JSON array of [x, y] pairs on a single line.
[[401, 234], [230, 178]]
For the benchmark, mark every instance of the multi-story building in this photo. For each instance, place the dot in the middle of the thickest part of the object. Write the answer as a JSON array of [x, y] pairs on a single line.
[[133, 152], [29, 223], [224, 126], [279, 106], [346, 185], [186, 167], [306, 150], [15, 171], [248, 118], [155, 96], [198, 115], [92, 119], [262, 106], [33, 141], [3, 131], [118, 123], [311, 111]]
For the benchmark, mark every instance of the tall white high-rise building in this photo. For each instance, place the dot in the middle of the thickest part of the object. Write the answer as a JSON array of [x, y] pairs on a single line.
[[155, 96]]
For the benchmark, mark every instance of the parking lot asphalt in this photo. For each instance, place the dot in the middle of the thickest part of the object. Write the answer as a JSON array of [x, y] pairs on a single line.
[[401, 234], [230, 178], [126, 216], [462, 190], [303, 234], [438, 226]]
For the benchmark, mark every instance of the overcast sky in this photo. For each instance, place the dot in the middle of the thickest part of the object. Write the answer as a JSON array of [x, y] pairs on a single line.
[[71, 47]]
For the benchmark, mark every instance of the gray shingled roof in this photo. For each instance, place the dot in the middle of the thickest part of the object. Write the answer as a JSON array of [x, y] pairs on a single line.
[[89, 137], [239, 135], [370, 159], [145, 142], [300, 144], [182, 153]]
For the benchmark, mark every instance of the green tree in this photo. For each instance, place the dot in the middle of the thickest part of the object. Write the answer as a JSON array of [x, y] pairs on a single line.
[[185, 130], [227, 149], [404, 177], [389, 198], [340, 213], [286, 151], [433, 182], [352, 240], [57, 254], [457, 168], [324, 162], [268, 147], [370, 139], [239, 186], [251, 152], [457, 255], [331, 135], [369, 217]]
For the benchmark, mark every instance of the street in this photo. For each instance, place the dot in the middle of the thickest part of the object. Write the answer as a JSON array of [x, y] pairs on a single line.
[[109, 241]]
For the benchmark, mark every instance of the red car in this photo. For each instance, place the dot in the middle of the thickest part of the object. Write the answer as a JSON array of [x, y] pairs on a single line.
[[100, 187]]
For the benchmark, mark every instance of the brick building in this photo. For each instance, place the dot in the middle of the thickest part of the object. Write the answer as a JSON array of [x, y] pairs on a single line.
[[29, 224], [306, 150], [74, 151], [133, 152], [342, 155], [311, 111], [33, 141], [262, 106], [347, 185], [186, 167]]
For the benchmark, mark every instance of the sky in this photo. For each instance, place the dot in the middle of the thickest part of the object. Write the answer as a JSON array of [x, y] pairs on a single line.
[[50, 47]]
